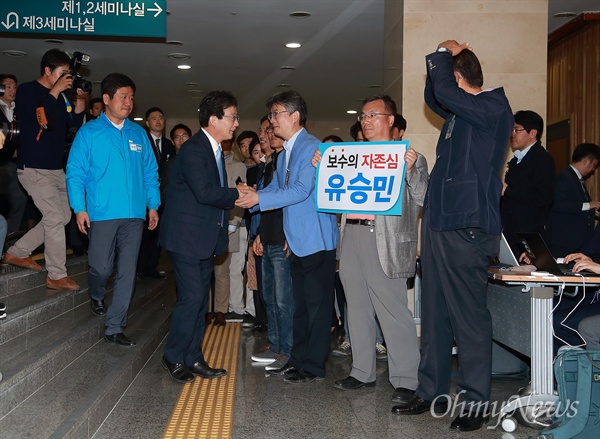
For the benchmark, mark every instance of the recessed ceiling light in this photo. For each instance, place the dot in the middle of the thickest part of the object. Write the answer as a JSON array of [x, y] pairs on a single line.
[[374, 86], [351, 112], [179, 56], [293, 45], [283, 85], [14, 53], [174, 43], [287, 68], [184, 67], [194, 91], [53, 41], [564, 15], [337, 129], [139, 119], [300, 14], [96, 82], [191, 83]]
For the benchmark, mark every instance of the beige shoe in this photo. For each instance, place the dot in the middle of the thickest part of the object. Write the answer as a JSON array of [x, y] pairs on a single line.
[[64, 283], [22, 262]]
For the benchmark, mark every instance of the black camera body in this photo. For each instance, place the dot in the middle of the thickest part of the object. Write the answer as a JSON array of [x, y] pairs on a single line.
[[11, 130], [78, 82]]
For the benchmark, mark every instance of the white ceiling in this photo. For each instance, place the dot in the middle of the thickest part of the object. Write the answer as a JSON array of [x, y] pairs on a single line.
[[238, 45]]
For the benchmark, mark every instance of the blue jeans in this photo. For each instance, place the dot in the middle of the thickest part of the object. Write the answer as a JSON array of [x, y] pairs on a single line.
[[279, 298], [3, 230]]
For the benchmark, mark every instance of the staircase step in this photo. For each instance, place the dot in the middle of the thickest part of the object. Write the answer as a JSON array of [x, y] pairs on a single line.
[[14, 280], [77, 400], [40, 352]]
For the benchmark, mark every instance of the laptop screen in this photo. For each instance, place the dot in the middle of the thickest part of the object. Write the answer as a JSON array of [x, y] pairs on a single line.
[[538, 252]]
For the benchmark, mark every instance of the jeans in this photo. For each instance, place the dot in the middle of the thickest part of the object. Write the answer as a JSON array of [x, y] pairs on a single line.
[[279, 298], [3, 229]]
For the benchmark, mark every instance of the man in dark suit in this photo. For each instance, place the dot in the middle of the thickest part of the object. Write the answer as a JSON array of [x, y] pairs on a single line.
[[164, 150], [573, 213], [460, 234], [528, 188], [16, 196], [194, 230]]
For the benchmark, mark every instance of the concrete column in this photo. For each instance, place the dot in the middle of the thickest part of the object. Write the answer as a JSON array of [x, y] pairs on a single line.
[[509, 37]]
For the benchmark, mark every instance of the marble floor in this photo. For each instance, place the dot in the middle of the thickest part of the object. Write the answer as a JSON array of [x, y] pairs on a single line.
[[267, 408]]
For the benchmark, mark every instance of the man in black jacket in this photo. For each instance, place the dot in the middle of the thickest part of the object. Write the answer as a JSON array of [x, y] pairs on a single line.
[[572, 217], [528, 189], [460, 235]]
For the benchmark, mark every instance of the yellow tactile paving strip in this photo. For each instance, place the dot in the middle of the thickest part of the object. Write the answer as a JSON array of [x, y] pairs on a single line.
[[205, 407]]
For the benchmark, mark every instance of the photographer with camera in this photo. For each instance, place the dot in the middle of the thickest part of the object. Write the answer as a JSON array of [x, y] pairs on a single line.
[[44, 113]]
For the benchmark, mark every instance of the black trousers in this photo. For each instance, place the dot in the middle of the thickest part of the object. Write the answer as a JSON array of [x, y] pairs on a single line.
[[453, 299], [313, 284], [186, 333]]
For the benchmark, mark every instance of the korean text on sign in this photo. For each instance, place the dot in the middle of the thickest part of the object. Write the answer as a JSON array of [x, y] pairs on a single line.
[[362, 177]]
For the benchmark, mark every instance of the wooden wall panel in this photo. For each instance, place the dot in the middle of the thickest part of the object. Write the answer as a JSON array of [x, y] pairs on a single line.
[[574, 88]]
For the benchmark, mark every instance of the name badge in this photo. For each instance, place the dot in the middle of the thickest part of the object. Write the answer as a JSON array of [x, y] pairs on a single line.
[[135, 147], [450, 127]]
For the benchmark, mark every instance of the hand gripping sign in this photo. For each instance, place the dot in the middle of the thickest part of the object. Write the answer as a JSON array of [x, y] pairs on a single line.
[[361, 177]]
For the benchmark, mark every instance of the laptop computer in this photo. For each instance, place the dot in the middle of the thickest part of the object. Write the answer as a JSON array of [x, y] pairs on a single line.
[[540, 255], [505, 254]]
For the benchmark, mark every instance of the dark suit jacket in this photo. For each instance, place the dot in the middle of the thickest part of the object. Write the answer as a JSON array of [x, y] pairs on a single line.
[[529, 195], [196, 203], [569, 228], [167, 151]]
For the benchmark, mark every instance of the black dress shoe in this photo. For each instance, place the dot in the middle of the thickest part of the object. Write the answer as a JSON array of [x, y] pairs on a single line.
[[98, 307], [469, 422], [351, 383], [285, 370], [203, 370], [300, 377], [178, 372], [120, 339], [417, 405], [402, 395]]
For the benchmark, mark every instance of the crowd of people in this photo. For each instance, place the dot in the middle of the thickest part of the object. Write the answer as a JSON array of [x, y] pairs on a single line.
[[247, 243]]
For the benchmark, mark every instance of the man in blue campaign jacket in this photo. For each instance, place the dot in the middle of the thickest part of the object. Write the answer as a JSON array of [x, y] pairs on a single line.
[[461, 225], [311, 236], [111, 178]]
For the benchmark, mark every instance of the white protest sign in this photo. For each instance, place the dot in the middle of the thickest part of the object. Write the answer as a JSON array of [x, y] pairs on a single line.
[[361, 177]]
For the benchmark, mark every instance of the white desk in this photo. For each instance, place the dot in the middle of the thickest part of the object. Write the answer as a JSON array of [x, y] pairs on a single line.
[[541, 293]]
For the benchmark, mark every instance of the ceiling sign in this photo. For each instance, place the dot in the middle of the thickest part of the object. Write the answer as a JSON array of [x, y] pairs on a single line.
[[144, 18]]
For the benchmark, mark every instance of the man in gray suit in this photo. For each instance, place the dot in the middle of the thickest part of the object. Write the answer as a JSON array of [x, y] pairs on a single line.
[[377, 255]]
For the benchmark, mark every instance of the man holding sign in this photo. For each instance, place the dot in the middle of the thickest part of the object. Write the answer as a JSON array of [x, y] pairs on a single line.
[[377, 255]]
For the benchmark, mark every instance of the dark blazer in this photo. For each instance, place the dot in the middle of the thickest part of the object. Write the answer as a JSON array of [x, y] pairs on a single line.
[[529, 194], [196, 204], [167, 151], [465, 186], [569, 228]]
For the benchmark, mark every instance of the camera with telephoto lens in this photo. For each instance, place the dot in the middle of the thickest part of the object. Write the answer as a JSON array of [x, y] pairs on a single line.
[[78, 82], [11, 129]]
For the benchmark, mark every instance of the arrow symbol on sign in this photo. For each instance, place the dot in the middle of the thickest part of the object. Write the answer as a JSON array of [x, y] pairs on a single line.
[[8, 24], [158, 10]]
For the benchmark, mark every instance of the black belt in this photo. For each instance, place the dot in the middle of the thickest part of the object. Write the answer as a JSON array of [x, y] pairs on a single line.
[[360, 222]]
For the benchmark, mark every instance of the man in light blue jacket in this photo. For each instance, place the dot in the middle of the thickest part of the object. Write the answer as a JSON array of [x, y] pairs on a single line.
[[311, 236], [112, 178]]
